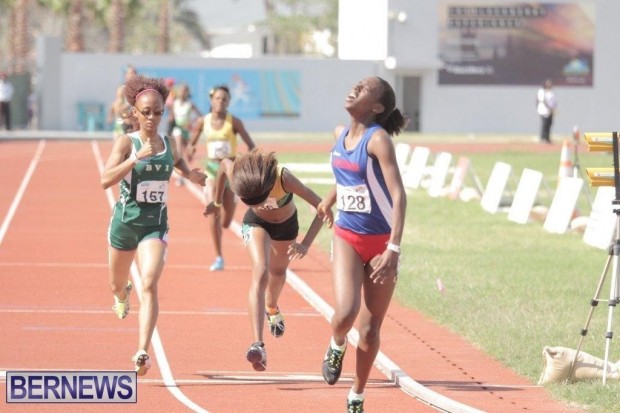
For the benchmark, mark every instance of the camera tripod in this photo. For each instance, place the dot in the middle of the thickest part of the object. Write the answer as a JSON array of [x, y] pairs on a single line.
[[613, 260]]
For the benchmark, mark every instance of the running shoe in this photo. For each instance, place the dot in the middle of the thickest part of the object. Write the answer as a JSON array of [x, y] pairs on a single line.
[[332, 365], [355, 406], [218, 264], [142, 362], [121, 308], [276, 323], [257, 356]]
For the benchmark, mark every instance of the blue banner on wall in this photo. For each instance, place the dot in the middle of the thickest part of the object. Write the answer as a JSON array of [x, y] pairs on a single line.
[[255, 94]]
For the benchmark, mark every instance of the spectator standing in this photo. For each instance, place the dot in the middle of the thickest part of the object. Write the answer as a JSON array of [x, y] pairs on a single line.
[[545, 105], [6, 95]]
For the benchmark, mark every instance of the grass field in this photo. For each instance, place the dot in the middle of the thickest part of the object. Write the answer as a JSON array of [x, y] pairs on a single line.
[[510, 289]]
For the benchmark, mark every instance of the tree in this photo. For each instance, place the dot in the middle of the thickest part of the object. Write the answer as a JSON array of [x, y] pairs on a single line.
[[293, 24], [75, 32], [190, 21], [116, 25], [19, 50], [163, 40]]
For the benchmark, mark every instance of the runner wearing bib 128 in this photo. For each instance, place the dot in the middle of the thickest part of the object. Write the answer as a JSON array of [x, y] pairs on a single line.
[[363, 201]]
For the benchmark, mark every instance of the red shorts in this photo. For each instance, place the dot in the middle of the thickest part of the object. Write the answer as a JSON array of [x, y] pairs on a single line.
[[367, 246]]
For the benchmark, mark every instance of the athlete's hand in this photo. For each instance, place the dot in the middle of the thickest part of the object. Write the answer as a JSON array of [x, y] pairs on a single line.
[[325, 213], [211, 209], [146, 151], [296, 251], [384, 267], [197, 176]]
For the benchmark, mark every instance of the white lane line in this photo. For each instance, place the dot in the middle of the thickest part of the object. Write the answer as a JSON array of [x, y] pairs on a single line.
[[158, 347], [105, 265], [236, 379], [390, 369], [20, 191], [211, 312]]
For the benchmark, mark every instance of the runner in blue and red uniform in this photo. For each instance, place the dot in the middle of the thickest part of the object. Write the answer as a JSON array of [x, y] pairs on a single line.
[[371, 203]]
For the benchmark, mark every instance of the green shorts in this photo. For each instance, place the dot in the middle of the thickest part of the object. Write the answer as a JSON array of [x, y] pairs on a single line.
[[126, 237], [182, 132], [211, 168]]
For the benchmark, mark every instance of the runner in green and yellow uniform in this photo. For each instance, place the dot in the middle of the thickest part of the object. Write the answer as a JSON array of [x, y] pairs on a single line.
[[220, 130], [141, 163]]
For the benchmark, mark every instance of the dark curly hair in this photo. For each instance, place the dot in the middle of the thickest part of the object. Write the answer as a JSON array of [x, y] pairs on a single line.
[[254, 175], [139, 83], [219, 87], [391, 119]]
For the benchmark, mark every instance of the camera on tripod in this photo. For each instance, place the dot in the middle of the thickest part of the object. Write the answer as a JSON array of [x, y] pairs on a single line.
[[605, 142]]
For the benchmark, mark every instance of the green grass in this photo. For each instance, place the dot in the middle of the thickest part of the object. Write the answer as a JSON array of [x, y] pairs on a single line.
[[510, 289]]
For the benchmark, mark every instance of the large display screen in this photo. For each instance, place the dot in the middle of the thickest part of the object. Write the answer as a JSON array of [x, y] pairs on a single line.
[[499, 43]]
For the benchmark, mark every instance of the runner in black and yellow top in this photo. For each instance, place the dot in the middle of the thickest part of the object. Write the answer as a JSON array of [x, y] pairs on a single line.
[[141, 163], [220, 130], [270, 230]]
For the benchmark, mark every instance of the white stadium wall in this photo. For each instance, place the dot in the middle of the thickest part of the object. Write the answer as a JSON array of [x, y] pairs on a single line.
[[66, 79]]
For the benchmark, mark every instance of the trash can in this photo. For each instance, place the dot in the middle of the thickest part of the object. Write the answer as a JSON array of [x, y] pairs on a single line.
[[91, 116]]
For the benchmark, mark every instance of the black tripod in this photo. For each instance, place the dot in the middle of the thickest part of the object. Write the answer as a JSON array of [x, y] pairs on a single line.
[[613, 260]]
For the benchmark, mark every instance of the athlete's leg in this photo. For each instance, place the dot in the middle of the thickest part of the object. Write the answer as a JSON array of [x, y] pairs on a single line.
[[213, 222], [375, 304], [181, 149], [228, 208], [119, 264], [181, 145], [151, 253], [347, 278], [278, 263], [258, 245]]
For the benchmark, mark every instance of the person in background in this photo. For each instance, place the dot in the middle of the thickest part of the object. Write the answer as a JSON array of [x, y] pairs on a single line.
[[6, 95], [220, 129], [141, 163], [120, 111], [269, 231], [169, 82], [120, 114], [545, 106], [371, 203], [181, 112]]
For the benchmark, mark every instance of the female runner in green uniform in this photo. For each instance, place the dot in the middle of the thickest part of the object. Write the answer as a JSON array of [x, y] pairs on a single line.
[[142, 162]]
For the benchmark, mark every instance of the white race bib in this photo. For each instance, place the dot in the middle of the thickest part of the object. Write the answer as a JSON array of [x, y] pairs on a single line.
[[152, 191], [218, 149], [353, 198]]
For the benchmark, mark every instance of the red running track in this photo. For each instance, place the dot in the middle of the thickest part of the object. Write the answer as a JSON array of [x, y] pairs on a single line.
[[55, 312]]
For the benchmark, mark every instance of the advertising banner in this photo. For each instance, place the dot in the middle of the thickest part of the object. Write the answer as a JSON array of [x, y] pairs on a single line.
[[520, 43], [255, 94]]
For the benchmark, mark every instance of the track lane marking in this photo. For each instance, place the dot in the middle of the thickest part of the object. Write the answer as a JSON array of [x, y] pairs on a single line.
[[21, 190]]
